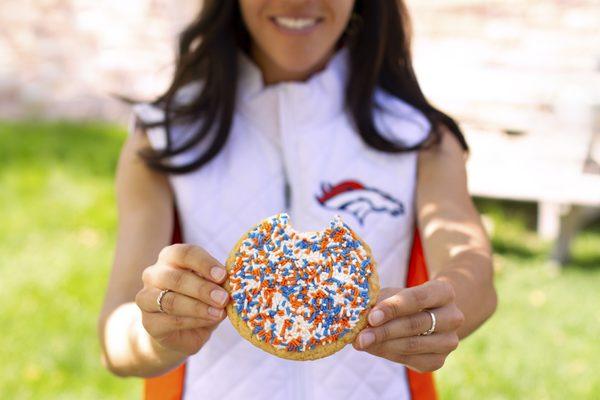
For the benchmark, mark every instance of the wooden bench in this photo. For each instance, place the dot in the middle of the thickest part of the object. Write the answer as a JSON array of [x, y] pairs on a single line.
[[559, 171]]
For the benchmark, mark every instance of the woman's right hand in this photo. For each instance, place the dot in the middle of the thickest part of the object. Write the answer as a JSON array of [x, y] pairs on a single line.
[[195, 304]]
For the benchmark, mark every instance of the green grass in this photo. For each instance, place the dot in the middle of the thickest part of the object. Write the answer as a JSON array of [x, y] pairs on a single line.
[[56, 241], [542, 342]]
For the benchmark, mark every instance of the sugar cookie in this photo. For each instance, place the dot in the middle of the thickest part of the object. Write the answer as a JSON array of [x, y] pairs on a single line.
[[300, 295]]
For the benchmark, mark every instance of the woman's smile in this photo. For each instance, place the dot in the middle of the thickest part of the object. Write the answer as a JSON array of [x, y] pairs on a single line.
[[296, 25]]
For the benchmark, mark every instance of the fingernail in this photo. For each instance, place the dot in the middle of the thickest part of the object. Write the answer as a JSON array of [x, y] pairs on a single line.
[[220, 296], [365, 339], [375, 317], [217, 272], [215, 312]]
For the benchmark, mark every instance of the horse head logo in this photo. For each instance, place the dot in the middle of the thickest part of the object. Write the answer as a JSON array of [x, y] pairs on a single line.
[[357, 199]]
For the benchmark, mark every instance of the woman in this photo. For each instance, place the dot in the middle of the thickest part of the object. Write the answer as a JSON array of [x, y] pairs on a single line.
[[289, 105]]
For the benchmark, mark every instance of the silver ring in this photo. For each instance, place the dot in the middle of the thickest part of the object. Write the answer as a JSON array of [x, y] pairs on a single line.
[[433, 321], [160, 298]]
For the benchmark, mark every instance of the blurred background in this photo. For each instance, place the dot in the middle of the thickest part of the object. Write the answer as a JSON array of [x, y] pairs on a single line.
[[522, 78]]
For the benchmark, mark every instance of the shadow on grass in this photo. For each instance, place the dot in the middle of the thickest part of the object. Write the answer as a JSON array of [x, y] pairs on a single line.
[[585, 250], [514, 227], [513, 249], [515, 234], [584, 263]]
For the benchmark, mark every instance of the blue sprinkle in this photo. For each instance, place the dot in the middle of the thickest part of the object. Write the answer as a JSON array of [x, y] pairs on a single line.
[[303, 244], [285, 249]]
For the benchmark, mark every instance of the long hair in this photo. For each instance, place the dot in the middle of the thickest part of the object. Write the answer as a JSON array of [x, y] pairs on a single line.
[[381, 32]]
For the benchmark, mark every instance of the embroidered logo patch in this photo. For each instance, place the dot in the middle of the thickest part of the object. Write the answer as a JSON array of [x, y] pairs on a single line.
[[359, 200]]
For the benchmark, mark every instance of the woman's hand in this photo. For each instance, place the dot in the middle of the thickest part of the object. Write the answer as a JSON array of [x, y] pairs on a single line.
[[398, 319], [193, 307]]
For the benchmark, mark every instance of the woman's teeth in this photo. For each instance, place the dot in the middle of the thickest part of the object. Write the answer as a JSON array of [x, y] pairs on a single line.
[[295, 23]]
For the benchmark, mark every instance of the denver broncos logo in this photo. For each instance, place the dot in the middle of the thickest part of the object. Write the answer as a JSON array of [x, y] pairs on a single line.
[[357, 199]]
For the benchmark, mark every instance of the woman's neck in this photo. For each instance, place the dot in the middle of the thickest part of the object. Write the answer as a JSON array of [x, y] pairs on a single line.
[[273, 73]]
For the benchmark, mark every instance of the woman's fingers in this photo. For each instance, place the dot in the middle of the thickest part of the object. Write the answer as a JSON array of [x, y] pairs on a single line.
[[423, 362], [194, 258], [159, 325], [193, 305], [448, 318], [434, 293], [438, 343], [177, 304], [396, 323], [187, 283]]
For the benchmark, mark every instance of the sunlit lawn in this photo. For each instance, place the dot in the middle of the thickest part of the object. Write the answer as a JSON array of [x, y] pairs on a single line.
[[56, 238]]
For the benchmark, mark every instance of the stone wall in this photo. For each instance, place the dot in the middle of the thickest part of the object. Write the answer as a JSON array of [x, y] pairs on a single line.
[[63, 58]]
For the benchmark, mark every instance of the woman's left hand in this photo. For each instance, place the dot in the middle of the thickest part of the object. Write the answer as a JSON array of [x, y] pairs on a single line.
[[398, 319]]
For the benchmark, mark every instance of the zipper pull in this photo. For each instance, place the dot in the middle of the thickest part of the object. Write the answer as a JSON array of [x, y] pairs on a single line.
[[287, 194]]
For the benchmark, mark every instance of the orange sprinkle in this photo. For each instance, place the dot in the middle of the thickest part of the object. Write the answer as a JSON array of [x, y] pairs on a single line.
[[284, 327]]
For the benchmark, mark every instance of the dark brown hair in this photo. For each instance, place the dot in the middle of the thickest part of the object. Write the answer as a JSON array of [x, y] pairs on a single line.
[[379, 31]]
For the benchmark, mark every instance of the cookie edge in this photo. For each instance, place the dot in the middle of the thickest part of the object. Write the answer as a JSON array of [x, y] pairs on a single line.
[[312, 354]]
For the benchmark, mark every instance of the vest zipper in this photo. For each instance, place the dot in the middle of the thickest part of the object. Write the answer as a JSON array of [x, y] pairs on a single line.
[[288, 191], [282, 140]]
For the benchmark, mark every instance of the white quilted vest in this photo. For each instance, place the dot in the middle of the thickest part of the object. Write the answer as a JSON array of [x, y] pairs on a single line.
[[297, 133]]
